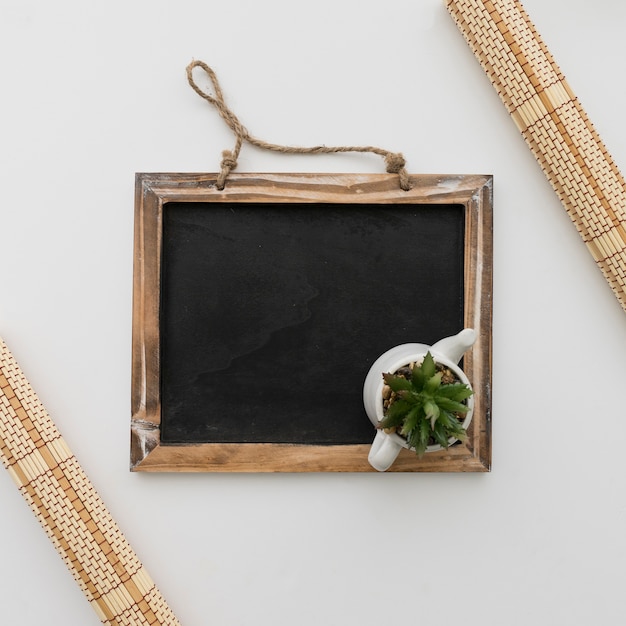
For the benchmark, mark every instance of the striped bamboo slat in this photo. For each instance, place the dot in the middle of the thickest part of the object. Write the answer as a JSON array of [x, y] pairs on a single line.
[[554, 125], [70, 511]]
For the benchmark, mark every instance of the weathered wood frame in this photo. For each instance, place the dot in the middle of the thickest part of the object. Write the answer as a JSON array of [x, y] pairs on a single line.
[[153, 191]]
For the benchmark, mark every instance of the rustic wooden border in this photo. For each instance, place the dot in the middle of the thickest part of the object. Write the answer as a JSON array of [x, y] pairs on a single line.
[[153, 191]]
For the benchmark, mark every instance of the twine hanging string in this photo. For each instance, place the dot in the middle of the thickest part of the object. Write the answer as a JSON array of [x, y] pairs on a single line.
[[394, 161]]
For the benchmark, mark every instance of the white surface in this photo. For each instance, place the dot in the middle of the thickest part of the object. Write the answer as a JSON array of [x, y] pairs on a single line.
[[93, 92]]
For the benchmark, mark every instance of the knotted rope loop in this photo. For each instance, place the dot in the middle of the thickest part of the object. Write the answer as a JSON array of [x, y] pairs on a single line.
[[218, 100], [394, 161]]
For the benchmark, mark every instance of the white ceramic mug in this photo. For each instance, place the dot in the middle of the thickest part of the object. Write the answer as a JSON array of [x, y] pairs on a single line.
[[386, 446]]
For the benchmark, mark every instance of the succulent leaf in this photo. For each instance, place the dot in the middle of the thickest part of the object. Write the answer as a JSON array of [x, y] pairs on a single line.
[[411, 420], [430, 408], [419, 436], [452, 405], [440, 435], [395, 414], [455, 391], [418, 378], [433, 383], [397, 383], [424, 433], [428, 366], [452, 425]]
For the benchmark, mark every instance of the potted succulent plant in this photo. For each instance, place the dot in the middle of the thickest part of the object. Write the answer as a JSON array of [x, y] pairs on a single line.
[[417, 397]]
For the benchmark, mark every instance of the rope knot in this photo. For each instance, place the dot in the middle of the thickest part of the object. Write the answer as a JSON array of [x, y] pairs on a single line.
[[229, 160], [395, 162]]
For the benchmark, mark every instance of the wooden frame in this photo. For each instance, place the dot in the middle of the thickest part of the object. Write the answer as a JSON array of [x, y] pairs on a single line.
[[154, 191]]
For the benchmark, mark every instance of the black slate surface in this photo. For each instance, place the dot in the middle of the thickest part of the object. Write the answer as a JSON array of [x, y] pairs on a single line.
[[271, 315]]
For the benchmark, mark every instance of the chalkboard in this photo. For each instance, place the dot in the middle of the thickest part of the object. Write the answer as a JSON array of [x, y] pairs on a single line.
[[270, 301], [271, 315]]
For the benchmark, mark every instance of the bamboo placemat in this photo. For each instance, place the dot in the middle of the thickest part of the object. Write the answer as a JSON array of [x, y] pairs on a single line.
[[554, 125], [70, 511]]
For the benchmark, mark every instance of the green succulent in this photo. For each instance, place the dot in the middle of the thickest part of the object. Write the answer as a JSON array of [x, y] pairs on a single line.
[[424, 408]]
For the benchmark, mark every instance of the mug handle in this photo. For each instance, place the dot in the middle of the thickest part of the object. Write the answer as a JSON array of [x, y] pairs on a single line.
[[383, 452]]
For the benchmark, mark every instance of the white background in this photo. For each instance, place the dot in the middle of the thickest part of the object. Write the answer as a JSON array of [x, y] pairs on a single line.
[[93, 92]]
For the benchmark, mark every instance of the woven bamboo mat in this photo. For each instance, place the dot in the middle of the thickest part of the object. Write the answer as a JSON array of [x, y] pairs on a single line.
[[70, 511], [554, 125]]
